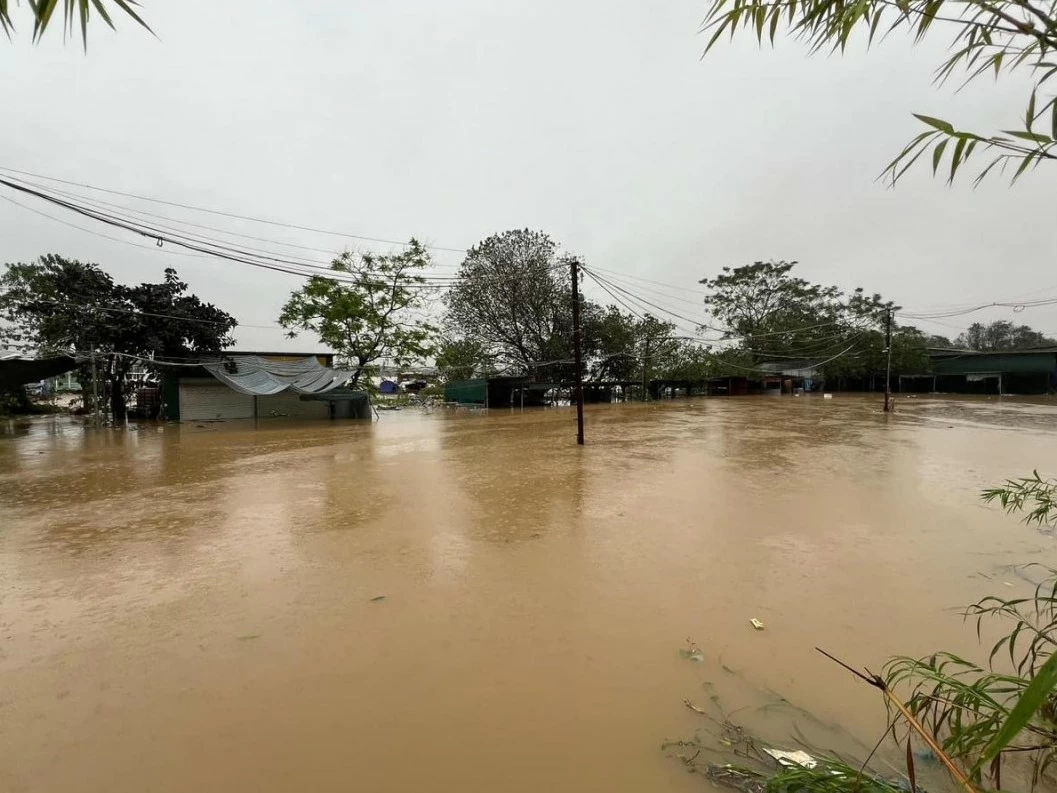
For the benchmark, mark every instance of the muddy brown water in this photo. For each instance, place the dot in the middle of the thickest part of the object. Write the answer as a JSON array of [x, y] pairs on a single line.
[[198, 607]]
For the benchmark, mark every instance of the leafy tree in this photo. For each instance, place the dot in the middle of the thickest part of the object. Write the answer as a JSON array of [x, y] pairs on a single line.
[[1002, 335], [689, 361], [989, 37], [60, 305], [512, 296], [44, 10], [775, 314], [768, 307], [461, 359], [625, 347], [610, 333], [370, 309], [940, 342]]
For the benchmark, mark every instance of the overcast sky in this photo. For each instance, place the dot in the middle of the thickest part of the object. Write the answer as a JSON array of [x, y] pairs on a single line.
[[596, 121]]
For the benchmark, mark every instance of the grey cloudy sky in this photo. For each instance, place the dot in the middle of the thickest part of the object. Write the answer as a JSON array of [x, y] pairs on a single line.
[[593, 120]]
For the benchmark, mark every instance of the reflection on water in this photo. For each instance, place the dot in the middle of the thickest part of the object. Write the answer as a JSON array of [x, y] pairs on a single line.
[[192, 607]]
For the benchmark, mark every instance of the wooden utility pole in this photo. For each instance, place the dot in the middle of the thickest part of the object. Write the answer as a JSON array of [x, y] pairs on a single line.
[[888, 373], [574, 267], [645, 359], [95, 392]]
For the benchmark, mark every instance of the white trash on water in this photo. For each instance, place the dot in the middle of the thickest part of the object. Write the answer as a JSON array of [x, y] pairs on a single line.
[[802, 759]]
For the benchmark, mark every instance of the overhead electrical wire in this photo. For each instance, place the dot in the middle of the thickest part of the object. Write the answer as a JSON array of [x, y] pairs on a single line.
[[106, 206], [220, 213], [813, 350], [209, 247], [98, 234]]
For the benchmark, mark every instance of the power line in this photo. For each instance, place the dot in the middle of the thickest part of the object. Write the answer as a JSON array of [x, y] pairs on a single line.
[[97, 234], [625, 280], [139, 312], [641, 300], [219, 250], [681, 289], [232, 215]]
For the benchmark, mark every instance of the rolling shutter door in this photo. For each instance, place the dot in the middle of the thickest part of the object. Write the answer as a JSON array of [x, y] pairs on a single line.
[[289, 403], [208, 401]]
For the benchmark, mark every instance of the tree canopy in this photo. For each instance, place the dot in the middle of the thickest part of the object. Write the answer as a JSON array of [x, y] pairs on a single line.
[[461, 359], [371, 309], [1002, 335], [60, 305], [990, 37], [513, 297], [770, 314]]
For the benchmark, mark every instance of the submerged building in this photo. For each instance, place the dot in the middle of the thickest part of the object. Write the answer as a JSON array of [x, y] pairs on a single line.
[[250, 385]]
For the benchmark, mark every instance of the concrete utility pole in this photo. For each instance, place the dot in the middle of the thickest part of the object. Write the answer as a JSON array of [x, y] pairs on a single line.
[[574, 267], [888, 373]]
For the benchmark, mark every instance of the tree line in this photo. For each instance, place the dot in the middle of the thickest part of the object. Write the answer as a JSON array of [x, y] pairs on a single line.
[[507, 310]]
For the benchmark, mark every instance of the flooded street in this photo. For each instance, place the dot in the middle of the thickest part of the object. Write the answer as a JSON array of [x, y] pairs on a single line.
[[200, 607]]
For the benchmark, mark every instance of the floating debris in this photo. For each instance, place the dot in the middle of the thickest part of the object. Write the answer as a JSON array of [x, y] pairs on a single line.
[[788, 759], [736, 778], [756, 624], [692, 651], [377, 598]]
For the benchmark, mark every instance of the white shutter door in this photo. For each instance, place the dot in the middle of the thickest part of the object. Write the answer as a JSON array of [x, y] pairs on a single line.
[[212, 401], [290, 404]]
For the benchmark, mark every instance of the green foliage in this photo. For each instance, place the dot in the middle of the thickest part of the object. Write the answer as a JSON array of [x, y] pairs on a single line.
[[1002, 335], [513, 297], [44, 10], [461, 359], [763, 301], [773, 315], [59, 305], [369, 311], [989, 38], [1032, 494], [625, 347], [980, 714], [830, 775]]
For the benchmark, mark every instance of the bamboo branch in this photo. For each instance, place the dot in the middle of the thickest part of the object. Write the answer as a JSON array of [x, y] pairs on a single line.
[[880, 684]]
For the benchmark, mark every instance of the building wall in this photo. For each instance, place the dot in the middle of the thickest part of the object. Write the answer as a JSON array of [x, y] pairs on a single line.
[[972, 363], [467, 391], [208, 400], [291, 405]]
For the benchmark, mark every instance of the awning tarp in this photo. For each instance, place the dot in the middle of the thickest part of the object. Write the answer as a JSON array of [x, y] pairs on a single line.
[[19, 371], [258, 376]]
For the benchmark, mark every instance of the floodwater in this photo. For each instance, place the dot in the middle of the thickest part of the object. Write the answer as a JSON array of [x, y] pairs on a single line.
[[199, 607]]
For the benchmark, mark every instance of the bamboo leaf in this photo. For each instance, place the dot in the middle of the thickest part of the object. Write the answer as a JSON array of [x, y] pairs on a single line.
[[103, 13], [1028, 704], [1029, 116], [937, 154], [1034, 137], [5, 18], [1023, 167], [126, 6], [956, 158], [44, 10], [83, 6], [938, 123], [719, 32], [980, 177]]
